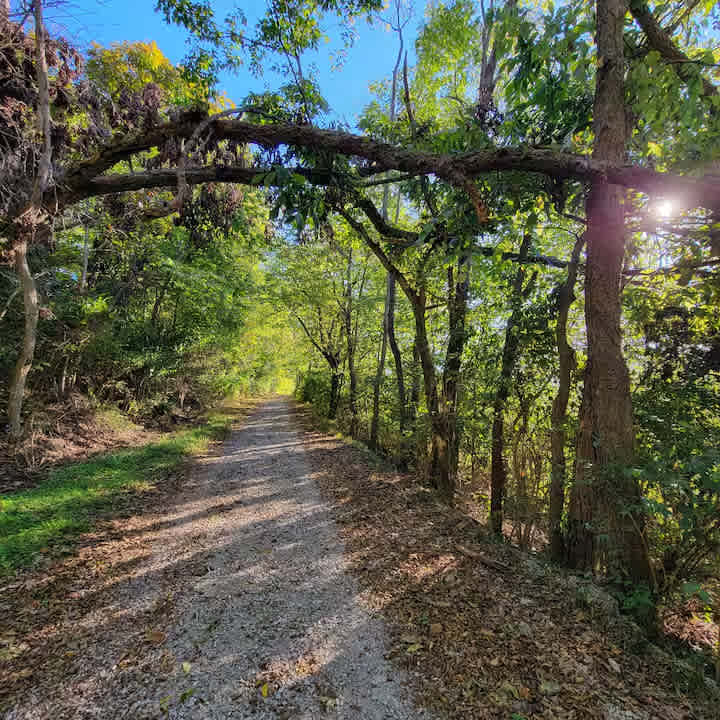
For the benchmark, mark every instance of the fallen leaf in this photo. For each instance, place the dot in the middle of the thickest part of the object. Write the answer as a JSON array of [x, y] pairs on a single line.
[[155, 636], [548, 687], [507, 688], [410, 639]]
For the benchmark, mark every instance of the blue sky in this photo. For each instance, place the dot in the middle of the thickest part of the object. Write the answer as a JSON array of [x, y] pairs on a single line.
[[370, 59]]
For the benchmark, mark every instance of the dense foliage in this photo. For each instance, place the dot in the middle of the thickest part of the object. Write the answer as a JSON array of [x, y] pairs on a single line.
[[585, 422]]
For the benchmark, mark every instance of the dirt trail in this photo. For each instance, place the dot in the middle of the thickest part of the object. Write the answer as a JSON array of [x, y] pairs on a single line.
[[245, 577]]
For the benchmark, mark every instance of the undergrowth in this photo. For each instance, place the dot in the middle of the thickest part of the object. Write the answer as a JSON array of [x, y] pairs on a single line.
[[43, 521]]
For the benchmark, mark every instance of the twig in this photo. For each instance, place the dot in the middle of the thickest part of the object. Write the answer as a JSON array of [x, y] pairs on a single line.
[[475, 555]]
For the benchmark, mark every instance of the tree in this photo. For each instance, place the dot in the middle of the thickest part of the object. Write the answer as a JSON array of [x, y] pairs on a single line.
[[464, 171], [28, 218], [520, 291], [397, 23], [603, 494], [567, 365]]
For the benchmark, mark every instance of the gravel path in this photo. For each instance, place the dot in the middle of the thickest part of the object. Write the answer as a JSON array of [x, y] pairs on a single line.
[[265, 620]]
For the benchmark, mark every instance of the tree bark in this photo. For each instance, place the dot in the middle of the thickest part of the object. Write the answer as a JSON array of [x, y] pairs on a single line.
[[347, 316], [334, 392], [375, 421], [159, 297], [458, 290], [438, 469], [414, 385], [85, 179], [27, 351], [63, 378], [498, 470], [442, 434], [558, 435], [605, 502], [395, 350], [86, 256], [390, 311], [26, 226]]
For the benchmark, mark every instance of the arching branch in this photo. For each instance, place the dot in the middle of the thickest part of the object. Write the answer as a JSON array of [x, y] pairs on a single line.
[[167, 178], [380, 254], [686, 191]]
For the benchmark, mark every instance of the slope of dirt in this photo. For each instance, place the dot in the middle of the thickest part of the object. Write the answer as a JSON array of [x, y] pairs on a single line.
[[487, 631], [227, 598], [62, 433]]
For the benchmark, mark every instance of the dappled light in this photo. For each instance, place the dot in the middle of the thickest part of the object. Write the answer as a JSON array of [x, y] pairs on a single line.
[[360, 359]]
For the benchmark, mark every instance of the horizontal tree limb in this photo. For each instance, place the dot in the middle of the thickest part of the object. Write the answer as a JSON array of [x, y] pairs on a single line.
[[168, 178], [456, 169], [108, 184]]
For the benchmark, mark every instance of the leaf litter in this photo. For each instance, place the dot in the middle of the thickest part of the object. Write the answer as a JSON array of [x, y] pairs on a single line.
[[485, 630]]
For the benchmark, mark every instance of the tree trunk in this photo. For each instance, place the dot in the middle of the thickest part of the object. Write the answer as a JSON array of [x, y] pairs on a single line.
[[399, 374], [520, 469], [159, 297], [352, 396], [414, 385], [347, 316], [375, 421], [334, 393], [558, 436], [86, 257], [388, 336], [605, 502], [27, 351], [25, 227], [458, 289], [62, 388], [389, 311], [440, 466], [498, 471]]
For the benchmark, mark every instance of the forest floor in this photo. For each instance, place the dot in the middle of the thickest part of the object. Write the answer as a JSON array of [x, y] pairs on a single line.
[[226, 596], [488, 631], [288, 574]]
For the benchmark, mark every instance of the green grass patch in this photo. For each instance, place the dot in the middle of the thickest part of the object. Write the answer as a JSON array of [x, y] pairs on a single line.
[[43, 521]]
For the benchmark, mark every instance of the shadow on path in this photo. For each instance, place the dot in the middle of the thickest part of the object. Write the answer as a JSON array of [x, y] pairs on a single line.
[[232, 601]]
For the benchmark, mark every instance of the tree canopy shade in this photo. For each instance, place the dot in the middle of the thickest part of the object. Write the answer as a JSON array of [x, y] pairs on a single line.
[[522, 135]]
